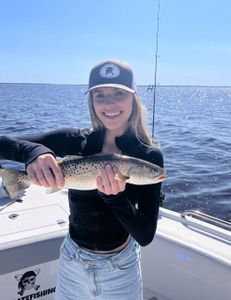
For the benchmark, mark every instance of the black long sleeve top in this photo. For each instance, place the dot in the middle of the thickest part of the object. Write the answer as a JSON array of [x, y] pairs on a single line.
[[97, 221]]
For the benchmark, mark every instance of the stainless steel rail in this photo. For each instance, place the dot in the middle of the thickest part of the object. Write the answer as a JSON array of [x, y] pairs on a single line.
[[204, 217]]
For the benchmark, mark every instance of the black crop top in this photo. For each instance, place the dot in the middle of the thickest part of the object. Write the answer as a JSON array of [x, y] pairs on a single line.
[[97, 221]]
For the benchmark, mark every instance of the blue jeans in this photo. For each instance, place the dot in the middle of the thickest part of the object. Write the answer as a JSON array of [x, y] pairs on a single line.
[[84, 275]]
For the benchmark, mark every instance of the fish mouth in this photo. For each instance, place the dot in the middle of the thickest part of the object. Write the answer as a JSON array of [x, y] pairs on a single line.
[[161, 177]]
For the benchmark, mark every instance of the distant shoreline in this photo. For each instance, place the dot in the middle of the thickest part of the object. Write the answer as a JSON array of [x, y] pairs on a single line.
[[139, 85]]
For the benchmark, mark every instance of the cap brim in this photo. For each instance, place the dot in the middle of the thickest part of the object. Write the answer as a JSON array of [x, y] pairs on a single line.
[[115, 85]]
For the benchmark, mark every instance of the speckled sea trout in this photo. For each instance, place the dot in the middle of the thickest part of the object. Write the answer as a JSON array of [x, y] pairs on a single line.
[[80, 173]]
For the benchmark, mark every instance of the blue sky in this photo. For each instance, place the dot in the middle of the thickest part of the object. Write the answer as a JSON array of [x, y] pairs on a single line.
[[47, 41]]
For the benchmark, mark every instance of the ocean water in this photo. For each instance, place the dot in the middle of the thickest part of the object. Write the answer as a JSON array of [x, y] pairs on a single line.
[[192, 126]]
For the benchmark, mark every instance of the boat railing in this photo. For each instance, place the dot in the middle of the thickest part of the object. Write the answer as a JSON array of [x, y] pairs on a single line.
[[208, 218]]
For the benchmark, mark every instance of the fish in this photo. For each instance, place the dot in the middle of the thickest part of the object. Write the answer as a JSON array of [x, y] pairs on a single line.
[[80, 173]]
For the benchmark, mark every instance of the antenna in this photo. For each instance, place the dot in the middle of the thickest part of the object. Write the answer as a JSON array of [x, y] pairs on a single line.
[[156, 63]]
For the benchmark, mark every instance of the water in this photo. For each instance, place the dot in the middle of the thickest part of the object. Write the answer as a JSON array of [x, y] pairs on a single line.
[[192, 125]]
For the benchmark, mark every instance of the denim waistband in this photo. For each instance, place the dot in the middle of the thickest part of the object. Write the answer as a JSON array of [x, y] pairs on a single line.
[[84, 254]]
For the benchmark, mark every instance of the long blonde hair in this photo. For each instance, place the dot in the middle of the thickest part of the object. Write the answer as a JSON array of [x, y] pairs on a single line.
[[137, 122]]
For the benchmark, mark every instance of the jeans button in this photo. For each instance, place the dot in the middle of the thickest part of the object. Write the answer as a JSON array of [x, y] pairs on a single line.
[[86, 266]]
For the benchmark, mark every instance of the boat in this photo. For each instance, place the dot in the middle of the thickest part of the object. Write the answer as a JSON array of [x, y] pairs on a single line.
[[189, 258]]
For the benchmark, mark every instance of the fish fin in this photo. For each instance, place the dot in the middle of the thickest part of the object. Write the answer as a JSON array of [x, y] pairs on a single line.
[[69, 157], [14, 182], [52, 190], [121, 177], [8, 204]]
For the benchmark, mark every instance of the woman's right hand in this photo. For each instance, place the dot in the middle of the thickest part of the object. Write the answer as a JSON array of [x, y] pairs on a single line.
[[45, 171]]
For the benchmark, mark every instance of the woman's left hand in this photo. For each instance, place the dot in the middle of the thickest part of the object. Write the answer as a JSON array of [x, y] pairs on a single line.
[[106, 182]]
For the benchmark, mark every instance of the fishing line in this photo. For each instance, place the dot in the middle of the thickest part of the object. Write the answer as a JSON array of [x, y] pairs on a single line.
[[156, 64]]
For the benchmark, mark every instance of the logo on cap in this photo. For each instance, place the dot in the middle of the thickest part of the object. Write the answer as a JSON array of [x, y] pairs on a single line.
[[109, 71]]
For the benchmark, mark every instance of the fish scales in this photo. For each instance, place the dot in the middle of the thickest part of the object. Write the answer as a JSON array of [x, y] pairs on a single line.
[[81, 172]]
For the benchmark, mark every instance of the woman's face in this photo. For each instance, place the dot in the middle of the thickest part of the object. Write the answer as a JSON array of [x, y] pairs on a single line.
[[113, 106]]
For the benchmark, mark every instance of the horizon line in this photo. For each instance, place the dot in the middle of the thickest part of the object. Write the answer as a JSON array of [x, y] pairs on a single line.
[[146, 85]]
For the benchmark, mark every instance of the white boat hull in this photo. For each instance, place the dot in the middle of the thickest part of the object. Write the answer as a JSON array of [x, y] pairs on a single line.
[[188, 259]]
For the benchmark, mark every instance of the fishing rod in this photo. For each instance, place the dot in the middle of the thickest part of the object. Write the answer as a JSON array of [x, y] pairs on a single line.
[[156, 63]]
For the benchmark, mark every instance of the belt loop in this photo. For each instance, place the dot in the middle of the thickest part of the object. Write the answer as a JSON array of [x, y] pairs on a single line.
[[111, 264], [77, 253]]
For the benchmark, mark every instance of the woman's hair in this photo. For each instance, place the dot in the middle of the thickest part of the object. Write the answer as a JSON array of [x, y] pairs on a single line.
[[136, 123]]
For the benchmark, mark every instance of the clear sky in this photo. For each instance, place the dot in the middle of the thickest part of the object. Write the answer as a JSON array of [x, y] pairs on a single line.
[[58, 41]]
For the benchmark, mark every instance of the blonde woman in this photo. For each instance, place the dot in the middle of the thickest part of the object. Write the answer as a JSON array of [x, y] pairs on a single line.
[[100, 257]]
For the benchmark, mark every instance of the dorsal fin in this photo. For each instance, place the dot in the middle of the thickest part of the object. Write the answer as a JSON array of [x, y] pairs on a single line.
[[69, 157]]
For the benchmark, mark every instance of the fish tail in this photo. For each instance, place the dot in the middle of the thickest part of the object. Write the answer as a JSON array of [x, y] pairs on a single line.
[[14, 182]]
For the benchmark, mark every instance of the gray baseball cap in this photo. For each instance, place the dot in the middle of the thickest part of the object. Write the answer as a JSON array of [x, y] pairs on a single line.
[[112, 73]]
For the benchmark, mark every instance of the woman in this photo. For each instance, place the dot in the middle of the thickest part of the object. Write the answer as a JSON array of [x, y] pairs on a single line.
[[100, 257]]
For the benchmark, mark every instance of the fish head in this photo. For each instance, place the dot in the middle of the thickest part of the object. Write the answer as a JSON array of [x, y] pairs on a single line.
[[146, 174]]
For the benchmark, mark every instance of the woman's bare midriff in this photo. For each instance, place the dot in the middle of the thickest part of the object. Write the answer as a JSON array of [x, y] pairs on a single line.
[[117, 249]]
